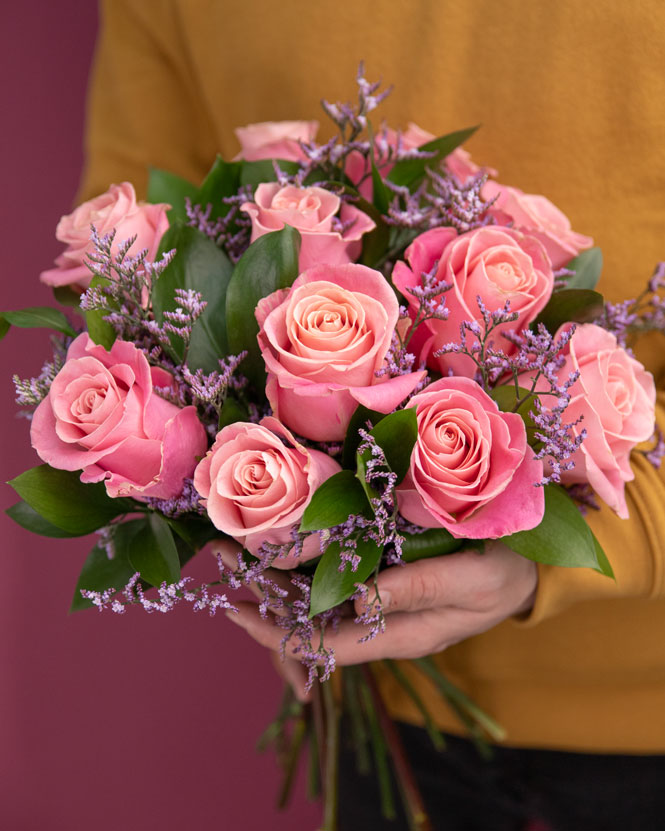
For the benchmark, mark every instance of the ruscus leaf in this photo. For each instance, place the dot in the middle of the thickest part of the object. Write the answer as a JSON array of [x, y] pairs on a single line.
[[330, 586], [334, 501]]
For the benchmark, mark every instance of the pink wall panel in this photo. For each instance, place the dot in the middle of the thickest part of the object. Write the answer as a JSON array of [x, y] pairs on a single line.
[[135, 722]]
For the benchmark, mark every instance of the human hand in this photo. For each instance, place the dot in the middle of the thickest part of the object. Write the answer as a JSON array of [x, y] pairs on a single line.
[[429, 605]]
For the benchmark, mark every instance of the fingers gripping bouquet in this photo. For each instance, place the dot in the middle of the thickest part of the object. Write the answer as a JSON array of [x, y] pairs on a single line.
[[344, 357]]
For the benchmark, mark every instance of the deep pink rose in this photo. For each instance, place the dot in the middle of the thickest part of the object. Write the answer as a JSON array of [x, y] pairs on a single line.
[[256, 482], [471, 471], [497, 264], [331, 230], [275, 140], [323, 341], [537, 216], [117, 208], [616, 396], [102, 417]]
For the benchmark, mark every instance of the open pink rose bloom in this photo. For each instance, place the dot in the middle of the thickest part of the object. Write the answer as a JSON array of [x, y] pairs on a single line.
[[116, 209], [257, 481], [615, 398], [471, 471], [331, 231], [323, 341], [102, 417], [493, 263]]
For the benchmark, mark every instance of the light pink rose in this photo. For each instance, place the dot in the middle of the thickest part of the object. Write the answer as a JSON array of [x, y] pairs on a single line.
[[102, 417], [117, 208], [497, 264], [275, 140], [256, 482], [323, 341], [616, 397], [537, 216], [471, 470], [325, 236]]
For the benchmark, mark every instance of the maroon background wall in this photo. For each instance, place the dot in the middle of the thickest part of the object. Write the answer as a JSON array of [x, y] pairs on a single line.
[[106, 722]]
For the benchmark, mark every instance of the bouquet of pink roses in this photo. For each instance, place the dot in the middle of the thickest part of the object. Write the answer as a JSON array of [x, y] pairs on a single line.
[[340, 356]]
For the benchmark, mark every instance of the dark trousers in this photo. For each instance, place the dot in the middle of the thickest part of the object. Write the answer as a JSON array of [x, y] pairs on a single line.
[[516, 790]]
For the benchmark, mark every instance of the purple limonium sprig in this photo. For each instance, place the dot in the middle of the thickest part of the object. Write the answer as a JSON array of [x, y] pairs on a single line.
[[645, 313], [371, 614], [187, 502], [31, 391], [232, 230], [169, 595], [126, 289], [534, 371], [657, 452], [457, 205]]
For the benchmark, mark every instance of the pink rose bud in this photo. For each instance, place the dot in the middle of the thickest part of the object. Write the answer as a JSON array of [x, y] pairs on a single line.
[[102, 417], [616, 397], [325, 236], [275, 140], [471, 470], [537, 216], [323, 341], [256, 482], [117, 208], [497, 264]]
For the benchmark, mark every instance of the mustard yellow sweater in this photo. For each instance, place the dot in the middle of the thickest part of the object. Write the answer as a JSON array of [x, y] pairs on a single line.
[[571, 96]]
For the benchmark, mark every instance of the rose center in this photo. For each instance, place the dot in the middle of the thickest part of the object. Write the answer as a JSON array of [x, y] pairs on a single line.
[[506, 277]]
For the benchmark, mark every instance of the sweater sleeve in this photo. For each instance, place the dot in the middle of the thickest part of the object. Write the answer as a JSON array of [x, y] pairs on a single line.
[[144, 100]]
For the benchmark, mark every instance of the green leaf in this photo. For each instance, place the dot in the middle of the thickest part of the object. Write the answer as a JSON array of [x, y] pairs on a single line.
[[100, 573], [587, 267], [359, 419], [66, 296], [334, 501], [99, 329], [431, 543], [330, 586], [167, 187], [270, 263], [199, 265], [222, 181], [263, 170], [380, 193], [152, 551], [604, 565], [409, 171], [64, 501], [36, 317], [196, 531], [562, 539], [28, 518], [579, 305], [506, 399], [396, 435], [232, 411]]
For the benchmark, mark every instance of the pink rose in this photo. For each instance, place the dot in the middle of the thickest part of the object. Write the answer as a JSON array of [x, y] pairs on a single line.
[[275, 140], [117, 208], [471, 470], [102, 416], [616, 396], [323, 341], [537, 216], [326, 238], [256, 482], [497, 264]]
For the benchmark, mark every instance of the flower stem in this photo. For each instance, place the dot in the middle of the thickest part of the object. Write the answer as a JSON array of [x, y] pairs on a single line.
[[413, 801], [331, 780]]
